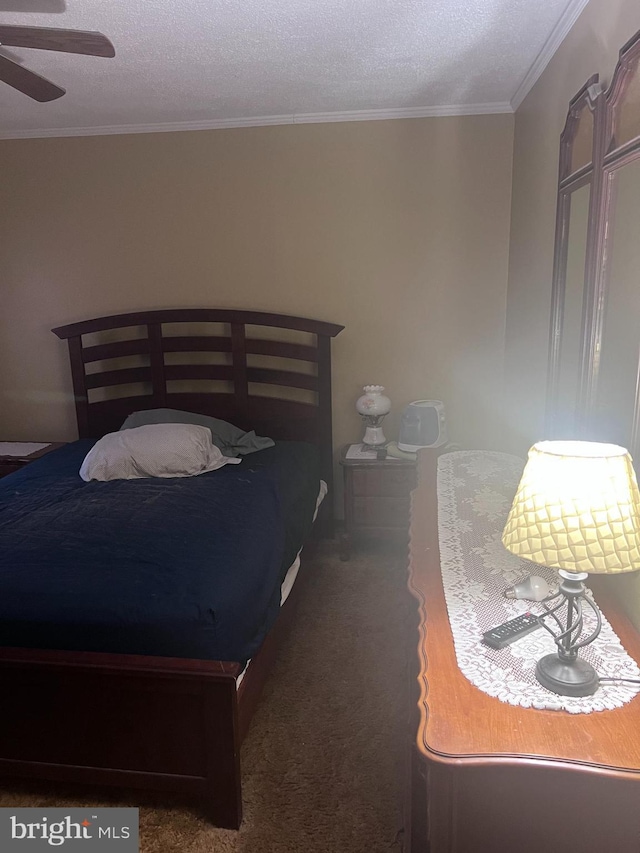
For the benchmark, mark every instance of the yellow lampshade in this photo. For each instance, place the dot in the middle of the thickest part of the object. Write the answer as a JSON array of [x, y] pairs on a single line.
[[577, 508]]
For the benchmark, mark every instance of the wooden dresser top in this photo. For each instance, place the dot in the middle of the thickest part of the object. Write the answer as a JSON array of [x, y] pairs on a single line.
[[459, 723]]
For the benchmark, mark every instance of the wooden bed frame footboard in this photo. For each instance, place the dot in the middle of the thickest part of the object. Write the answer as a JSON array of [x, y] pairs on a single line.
[[158, 723], [132, 721], [168, 724]]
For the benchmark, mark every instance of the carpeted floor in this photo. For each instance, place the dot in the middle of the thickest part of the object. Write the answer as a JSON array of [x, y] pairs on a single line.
[[323, 764]]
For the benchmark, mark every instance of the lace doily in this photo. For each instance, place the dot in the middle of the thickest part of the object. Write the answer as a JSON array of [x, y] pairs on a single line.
[[475, 491]]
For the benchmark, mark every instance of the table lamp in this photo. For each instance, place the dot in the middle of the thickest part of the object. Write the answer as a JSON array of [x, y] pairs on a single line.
[[576, 510], [372, 407]]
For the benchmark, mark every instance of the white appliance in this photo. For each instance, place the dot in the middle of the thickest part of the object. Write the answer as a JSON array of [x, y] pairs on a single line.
[[423, 425]]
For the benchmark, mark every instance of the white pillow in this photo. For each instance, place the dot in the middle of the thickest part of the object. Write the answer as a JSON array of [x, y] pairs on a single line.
[[155, 450]]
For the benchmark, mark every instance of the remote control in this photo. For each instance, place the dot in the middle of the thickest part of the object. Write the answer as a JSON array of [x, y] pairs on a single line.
[[508, 632]]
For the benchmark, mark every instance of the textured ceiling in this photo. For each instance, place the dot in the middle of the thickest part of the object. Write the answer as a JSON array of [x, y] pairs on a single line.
[[217, 62]]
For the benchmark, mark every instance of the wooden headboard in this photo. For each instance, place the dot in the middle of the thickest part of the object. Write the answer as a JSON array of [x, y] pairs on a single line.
[[229, 390]]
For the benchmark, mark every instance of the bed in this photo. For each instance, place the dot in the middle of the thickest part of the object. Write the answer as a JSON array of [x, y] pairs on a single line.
[[89, 696]]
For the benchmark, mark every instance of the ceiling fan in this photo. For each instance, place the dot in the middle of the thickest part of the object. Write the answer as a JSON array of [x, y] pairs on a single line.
[[45, 38]]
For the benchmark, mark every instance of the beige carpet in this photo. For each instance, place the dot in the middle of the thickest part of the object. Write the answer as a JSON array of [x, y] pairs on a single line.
[[323, 763]]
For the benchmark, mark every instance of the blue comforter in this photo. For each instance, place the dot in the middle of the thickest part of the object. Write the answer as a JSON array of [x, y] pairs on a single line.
[[184, 567]]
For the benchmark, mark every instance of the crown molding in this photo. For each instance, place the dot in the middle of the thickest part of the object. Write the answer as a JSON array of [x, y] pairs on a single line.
[[262, 121], [558, 35]]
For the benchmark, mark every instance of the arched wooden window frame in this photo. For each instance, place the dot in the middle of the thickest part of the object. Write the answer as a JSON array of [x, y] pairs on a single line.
[[587, 100], [609, 154]]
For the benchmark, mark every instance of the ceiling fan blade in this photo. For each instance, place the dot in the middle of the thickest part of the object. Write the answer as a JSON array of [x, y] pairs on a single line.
[[47, 38], [28, 82]]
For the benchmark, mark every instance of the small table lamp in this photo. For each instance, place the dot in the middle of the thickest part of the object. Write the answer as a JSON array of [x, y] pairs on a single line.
[[372, 407], [577, 510]]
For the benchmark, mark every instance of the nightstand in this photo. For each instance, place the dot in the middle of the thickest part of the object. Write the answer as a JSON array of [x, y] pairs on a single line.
[[376, 498], [10, 463]]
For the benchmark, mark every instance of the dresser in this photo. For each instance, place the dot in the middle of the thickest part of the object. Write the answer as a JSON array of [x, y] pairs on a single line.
[[11, 462], [488, 777]]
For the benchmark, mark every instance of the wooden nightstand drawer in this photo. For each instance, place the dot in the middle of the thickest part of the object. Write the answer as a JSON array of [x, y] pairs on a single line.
[[381, 512], [383, 481]]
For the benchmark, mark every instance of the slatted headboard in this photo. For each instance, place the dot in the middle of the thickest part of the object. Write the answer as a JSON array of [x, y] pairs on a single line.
[[230, 390]]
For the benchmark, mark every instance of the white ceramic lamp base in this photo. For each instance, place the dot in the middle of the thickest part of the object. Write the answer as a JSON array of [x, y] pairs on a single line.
[[374, 437], [372, 407]]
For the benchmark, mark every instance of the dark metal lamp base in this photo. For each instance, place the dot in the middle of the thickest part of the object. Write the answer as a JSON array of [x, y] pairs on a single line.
[[567, 677]]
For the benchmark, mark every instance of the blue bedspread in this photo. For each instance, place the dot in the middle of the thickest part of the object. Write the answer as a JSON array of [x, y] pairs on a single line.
[[184, 567]]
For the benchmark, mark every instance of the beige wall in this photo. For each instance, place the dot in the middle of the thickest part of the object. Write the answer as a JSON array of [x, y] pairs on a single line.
[[396, 229], [591, 47]]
